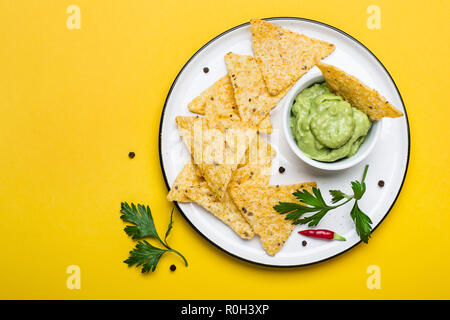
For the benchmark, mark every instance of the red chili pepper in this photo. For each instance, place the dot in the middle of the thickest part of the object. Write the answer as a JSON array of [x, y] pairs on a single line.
[[322, 234]]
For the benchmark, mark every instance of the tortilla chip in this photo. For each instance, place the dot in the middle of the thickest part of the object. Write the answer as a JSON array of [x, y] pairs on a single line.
[[207, 150], [260, 152], [212, 146], [186, 129], [189, 186], [252, 98], [357, 93], [218, 105], [256, 203], [257, 168], [187, 178], [284, 56], [216, 154], [224, 209], [265, 125], [222, 116], [219, 90]]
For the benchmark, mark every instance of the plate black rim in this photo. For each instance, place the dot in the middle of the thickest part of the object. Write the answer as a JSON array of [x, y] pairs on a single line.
[[164, 172]]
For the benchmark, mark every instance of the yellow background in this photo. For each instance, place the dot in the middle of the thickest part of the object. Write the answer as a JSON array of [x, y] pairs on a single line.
[[73, 103]]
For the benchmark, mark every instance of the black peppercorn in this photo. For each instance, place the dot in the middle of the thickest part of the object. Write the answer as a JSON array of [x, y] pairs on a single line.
[[173, 268], [131, 155]]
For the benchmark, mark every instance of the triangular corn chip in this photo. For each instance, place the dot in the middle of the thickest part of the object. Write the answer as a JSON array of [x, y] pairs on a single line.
[[256, 203], [357, 93], [252, 97], [224, 209], [217, 103], [284, 56], [257, 167], [223, 117], [216, 154], [187, 178], [220, 90], [189, 186]]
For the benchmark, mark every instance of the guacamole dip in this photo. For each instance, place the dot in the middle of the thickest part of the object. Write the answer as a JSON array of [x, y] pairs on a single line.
[[325, 126]]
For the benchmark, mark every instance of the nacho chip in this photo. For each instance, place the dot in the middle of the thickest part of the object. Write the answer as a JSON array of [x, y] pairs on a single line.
[[257, 168], [186, 129], [216, 154], [284, 56], [222, 116], [219, 90], [218, 105], [207, 149], [260, 152], [209, 145], [358, 94], [256, 203], [265, 125], [252, 98], [224, 209], [187, 178], [189, 186]]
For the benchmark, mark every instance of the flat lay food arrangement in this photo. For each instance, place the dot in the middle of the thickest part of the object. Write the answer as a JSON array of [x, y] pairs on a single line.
[[227, 134], [228, 151]]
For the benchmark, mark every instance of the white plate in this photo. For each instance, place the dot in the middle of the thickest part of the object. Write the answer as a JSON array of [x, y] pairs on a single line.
[[388, 160]]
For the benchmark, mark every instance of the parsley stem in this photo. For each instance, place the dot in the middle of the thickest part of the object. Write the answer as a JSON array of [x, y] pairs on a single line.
[[164, 243], [175, 251], [365, 173], [341, 204], [169, 249]]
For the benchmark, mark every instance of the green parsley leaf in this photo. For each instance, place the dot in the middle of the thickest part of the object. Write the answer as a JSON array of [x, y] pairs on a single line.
[[314, 203], [358, 189], [141, 217], [362, 223], [145, 254], [293, 210], [315, 199], [337, 195], [313, 220]]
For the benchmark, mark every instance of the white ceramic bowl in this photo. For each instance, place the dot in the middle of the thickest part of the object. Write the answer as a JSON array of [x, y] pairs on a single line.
[[315, 76]]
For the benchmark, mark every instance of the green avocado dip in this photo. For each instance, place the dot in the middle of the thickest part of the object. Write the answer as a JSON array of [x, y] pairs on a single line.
[[325, 126]]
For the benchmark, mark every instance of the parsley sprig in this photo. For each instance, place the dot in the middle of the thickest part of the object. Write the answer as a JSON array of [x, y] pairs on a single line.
[[144, 254], [314, 203]]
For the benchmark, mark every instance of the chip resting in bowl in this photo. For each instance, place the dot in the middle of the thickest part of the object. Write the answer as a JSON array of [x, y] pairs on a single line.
[[357, 93]]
